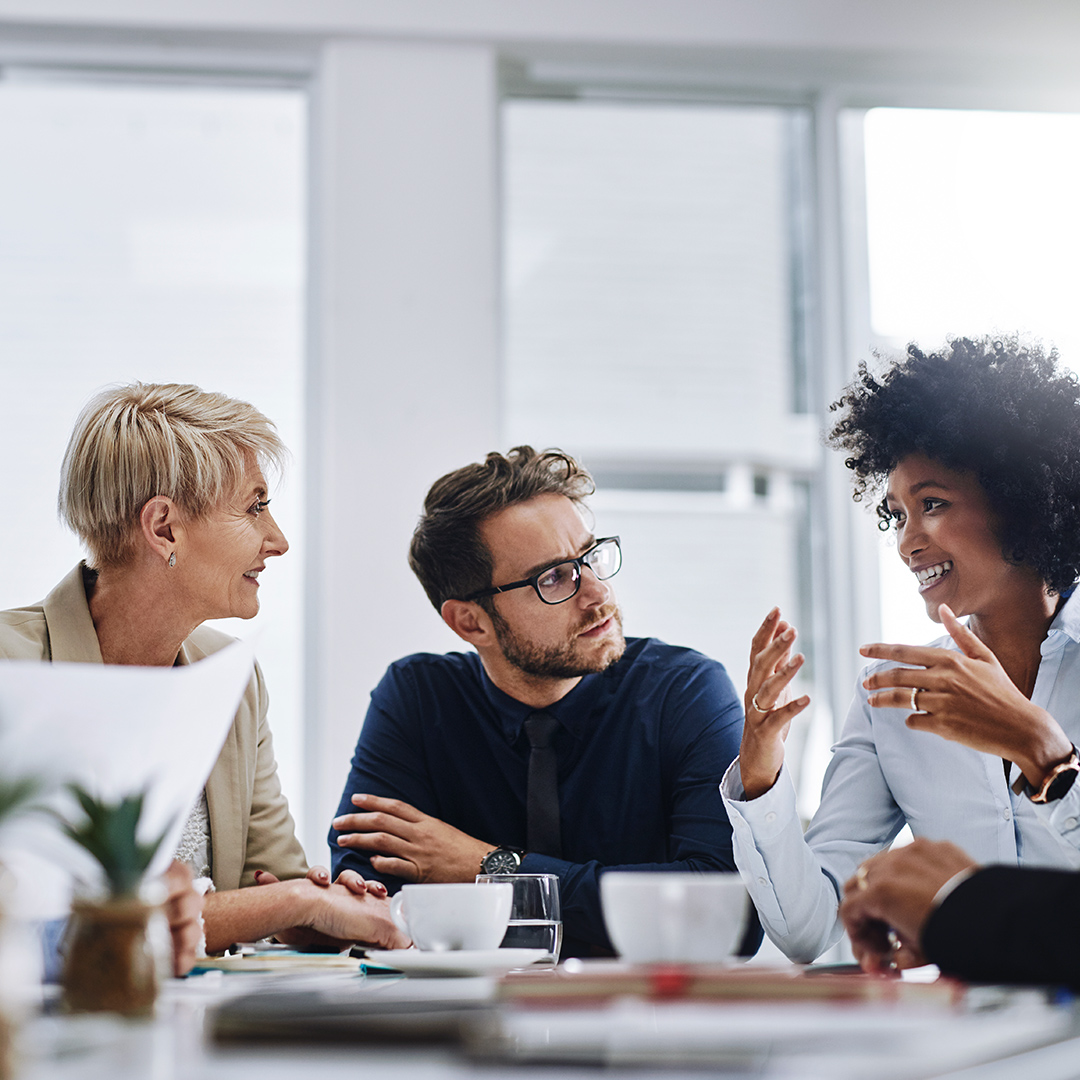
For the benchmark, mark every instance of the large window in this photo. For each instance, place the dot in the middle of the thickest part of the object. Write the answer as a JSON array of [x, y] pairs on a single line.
[[154, 234], [972, 228], [655, 291]]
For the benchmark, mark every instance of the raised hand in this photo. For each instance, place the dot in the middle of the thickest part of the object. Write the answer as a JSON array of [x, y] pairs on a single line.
[[768, 704], [966, 696]]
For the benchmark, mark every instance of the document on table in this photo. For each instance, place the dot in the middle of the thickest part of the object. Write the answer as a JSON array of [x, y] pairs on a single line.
[[116, 730]]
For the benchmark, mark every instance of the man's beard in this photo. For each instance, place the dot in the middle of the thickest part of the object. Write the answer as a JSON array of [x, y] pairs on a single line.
[[557, 661]]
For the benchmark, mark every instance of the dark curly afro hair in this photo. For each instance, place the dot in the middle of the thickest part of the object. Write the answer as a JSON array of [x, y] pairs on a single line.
[[993, 406]]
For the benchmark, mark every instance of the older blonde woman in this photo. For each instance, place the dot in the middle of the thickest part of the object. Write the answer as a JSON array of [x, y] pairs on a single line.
[[164, 485]]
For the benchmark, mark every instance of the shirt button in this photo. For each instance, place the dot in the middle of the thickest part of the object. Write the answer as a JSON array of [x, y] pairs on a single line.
[[770, 816], [1070, 823], [1006, 815], [763, 882]]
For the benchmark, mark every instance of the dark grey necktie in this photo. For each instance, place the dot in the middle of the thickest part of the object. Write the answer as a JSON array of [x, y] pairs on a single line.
[[542, 830]]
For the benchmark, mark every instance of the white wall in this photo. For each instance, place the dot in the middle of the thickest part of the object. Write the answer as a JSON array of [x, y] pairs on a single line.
[[405, 375]]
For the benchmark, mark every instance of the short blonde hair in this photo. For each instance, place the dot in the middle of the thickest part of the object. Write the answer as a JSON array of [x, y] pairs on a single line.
[[133, 442]]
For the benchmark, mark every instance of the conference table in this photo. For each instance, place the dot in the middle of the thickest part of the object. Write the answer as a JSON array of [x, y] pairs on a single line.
[[330, 1024]]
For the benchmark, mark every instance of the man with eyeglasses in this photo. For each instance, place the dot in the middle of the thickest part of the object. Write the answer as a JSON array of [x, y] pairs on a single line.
[[556, 747]]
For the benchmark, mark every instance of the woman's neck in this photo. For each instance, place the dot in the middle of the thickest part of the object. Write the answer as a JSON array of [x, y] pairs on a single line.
[[1015, 637], [135, 619]]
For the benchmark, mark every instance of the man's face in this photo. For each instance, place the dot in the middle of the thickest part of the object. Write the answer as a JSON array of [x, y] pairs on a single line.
[[580, 636]]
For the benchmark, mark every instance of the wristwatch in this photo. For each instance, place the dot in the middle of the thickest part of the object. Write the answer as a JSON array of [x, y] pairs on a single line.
[[503, 860], [1058, 781]]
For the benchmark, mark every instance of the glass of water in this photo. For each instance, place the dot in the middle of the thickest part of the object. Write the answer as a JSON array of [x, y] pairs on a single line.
[[535, 916]]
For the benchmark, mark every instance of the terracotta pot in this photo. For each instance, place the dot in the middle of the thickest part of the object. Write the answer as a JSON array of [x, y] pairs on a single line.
[[109, 964]]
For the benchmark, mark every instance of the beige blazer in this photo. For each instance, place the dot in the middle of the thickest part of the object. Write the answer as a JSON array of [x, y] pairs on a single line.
[[250, 824]]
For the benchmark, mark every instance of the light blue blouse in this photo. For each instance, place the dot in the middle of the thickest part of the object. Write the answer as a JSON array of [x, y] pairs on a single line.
[[883, 776]]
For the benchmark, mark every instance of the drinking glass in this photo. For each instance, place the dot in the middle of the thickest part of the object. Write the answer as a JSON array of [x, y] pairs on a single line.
[[535, 915]]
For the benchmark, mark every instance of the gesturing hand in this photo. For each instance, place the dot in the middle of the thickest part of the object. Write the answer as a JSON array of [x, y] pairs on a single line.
[[967, 697], [768, 704], [409, 844], [887, 903]]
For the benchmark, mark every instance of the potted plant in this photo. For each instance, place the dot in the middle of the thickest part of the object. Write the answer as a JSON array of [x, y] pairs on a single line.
[[109, 964]]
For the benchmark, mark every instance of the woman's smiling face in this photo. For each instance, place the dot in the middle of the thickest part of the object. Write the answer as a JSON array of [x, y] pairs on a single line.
[[226, 550], [945, 532]]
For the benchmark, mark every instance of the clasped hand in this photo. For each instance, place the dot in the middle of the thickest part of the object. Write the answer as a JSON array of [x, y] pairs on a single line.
[[408, 844], [888, 902], [349, 909]]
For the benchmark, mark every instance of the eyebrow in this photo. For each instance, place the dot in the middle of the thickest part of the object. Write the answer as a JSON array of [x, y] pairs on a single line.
[[920, 486], [539, 568]]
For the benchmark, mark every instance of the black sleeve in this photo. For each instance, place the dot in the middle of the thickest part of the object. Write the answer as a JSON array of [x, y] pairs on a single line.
[[1009, 924]]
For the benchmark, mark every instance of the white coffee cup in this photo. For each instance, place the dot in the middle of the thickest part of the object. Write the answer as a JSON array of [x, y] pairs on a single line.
[[459, 915], [674, 917]]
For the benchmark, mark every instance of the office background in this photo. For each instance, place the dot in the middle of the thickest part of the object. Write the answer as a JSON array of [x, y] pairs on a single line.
[[660, 235]]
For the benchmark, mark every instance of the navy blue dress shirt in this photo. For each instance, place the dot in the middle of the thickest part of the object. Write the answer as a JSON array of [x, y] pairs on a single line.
[[642, 748]]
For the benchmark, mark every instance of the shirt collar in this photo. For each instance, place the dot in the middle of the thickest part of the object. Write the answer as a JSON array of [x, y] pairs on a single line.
[[1067, 620], [572, 711]]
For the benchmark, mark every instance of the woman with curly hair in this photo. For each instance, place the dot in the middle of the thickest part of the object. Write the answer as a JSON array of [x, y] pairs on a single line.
[[974, 453]]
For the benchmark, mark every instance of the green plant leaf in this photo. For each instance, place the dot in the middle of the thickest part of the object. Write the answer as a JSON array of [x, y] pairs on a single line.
[[108, 832], [16, 794]]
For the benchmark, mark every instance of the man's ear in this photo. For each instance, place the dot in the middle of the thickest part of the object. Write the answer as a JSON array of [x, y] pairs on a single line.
[[469, 621], [158, 521]]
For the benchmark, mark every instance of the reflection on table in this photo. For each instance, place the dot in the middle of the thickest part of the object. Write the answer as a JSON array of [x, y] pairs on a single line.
[[761, 1022]]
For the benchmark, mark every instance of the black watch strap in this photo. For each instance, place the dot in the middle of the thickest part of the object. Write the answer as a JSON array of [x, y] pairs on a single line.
[[1059, 780]]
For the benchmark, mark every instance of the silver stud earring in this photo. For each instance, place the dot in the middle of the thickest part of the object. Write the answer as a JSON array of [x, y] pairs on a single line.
[[172, 559]]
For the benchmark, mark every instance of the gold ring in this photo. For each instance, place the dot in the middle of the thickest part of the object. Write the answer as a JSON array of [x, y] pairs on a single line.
[[861, 879], [754, 702], [914, 706]]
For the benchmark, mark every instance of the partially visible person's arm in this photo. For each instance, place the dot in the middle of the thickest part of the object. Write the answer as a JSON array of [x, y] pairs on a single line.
[[795, 879], [299, 912], [888, 901], [1005, 924], [183, 905], [1009, 924]]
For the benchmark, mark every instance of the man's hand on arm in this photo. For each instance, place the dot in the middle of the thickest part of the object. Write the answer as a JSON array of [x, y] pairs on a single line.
[[887, 903], [401, 841]]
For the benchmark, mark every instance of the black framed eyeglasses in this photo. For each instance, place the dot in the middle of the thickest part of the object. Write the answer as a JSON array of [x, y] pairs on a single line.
[[560, 582]]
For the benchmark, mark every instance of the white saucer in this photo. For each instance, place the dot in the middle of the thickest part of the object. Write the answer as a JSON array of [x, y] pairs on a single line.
[[456, 962]]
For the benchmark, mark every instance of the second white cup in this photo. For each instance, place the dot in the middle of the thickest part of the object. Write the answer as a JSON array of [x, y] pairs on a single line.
[[457, 915]]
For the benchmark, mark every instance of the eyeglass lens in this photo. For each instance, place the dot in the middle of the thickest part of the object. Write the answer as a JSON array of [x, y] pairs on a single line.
[[561, 581]]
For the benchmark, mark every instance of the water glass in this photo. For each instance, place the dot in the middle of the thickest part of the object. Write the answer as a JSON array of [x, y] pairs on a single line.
[[535, 914]]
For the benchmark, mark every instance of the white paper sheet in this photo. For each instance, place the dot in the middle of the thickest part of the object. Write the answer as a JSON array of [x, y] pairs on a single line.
[[116, 730]]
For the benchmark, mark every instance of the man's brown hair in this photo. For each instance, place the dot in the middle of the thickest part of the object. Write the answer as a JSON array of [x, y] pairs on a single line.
[[447, 553]]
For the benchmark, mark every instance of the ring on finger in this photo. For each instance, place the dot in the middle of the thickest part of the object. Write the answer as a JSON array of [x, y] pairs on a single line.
[[759, 708], [914, 705]]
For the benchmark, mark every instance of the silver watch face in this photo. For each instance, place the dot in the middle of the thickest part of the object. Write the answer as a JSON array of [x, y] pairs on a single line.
[[502, 861]]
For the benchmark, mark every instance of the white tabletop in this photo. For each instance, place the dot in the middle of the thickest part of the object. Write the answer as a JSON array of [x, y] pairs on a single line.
[[635, 1039]]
